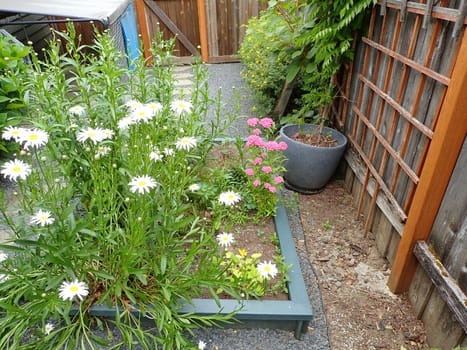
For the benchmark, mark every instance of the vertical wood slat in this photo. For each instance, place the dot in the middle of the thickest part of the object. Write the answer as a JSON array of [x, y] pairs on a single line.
[[211, 10], [442, 155], [203, 30], [143, 27]]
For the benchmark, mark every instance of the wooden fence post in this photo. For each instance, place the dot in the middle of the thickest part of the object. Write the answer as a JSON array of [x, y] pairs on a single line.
[[203, 31], [143, 26], [444, 150]]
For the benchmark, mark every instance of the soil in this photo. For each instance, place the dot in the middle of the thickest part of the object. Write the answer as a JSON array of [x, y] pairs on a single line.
[[315, 139], [361, 311]]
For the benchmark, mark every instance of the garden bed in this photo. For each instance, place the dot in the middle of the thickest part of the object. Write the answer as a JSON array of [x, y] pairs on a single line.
[[293, 314]]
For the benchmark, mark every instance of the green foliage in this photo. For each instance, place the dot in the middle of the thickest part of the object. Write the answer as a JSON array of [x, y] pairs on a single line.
[[264, 61], [322, 36], [327, 225], [313, 38], [241, 270], [107, 198], [12, 67]]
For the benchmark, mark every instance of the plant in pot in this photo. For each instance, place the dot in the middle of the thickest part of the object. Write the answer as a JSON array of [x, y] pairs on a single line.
[[320, 41]]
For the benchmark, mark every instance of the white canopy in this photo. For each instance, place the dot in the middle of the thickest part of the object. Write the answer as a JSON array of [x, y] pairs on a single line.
[[105, 11]]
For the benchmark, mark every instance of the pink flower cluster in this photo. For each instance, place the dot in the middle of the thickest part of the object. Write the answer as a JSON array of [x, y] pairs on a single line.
[[266, 123], [260, 169]]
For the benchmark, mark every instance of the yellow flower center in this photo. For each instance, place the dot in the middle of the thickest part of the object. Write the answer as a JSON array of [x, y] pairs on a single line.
[[74, 289], [16, 169], [142, 183], [33, 137]]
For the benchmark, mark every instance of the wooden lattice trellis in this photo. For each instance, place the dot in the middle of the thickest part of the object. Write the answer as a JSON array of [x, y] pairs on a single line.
[[406, 103]]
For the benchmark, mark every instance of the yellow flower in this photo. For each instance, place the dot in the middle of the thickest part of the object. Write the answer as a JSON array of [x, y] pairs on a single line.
[[242, 252]]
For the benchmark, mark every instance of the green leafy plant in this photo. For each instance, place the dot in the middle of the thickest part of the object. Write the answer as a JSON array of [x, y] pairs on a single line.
[[12, 67], [323, 32], [311, 39], [251, 276], [327, 225], [264, 60], [108, 176]]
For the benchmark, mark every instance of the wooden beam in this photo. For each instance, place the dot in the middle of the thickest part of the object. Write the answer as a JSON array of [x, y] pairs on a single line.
[[143, 27], [437, 12], [447, 286], [444, 150], [284, 98], [203, 30]]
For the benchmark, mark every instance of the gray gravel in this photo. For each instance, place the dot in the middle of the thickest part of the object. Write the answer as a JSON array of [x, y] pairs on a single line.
[[227, 78]]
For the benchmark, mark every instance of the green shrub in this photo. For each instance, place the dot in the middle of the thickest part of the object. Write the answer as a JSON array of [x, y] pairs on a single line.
[[12, 66], [304, 41], [264, 60]]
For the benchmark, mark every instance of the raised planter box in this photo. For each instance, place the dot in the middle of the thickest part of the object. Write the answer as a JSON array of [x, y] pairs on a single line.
[[293, 314]]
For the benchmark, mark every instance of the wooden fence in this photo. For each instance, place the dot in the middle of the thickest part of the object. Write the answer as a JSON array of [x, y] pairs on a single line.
[[404, 113], [213, 27]]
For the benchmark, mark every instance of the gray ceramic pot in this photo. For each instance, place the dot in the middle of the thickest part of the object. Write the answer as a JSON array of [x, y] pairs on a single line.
[[309, 168]]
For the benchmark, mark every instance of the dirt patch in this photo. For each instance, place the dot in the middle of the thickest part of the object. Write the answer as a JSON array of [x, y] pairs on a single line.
[[361, 311], [315, 139]]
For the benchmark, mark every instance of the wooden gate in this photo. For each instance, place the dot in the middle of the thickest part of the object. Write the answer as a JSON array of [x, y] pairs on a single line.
[[404, 113], [214, 28]]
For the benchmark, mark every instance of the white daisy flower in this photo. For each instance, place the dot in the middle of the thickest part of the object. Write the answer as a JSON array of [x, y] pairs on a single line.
[[229, 198], [125, 122], [94, 134], [3, 257], [267, 269], [155, 107], [102, 151], [194, 187], [186, 143], [133, 105], [13, 133], [180, 107], [142, 184], [201, 345], [34, 138], [108, 133], [16, 168], [225, 239], [49, 327], [169, 151], [77, 110], [143, 114], [156, 156], [68, 290], [42, 218]]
